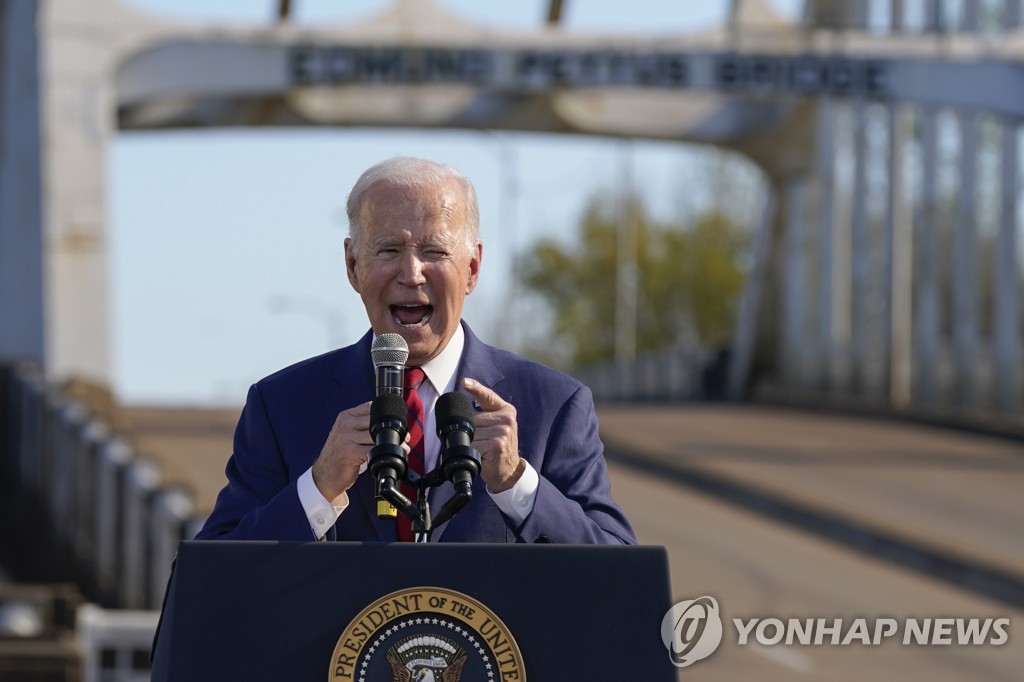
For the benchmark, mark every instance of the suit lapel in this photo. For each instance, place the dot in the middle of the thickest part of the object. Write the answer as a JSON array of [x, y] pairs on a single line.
[[353, 379], [478, 364]]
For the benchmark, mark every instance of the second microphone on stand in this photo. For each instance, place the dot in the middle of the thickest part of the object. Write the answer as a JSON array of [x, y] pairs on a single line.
[[460, 462]]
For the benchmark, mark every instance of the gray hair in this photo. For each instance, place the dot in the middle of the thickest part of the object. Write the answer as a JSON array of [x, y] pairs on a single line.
[[407, 171]]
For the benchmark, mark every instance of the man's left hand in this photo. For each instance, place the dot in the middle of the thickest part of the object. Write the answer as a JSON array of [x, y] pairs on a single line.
[[497, 438]]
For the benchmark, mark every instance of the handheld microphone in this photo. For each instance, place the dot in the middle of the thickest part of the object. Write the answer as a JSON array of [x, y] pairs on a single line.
[[388, 426], [460, 462], [389, 353]]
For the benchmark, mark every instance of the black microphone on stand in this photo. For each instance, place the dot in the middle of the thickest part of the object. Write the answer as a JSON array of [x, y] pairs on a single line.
[[389, 353], [388, 464], [460, 461]]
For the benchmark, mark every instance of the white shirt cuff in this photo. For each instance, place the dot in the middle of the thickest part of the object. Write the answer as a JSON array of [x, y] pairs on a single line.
[[321, 513], [517, 502]]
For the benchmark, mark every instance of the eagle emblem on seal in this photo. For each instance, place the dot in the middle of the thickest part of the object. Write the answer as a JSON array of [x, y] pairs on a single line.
[[426, 658]]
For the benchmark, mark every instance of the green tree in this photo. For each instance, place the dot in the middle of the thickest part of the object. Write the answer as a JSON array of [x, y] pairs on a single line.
[[689, 282]]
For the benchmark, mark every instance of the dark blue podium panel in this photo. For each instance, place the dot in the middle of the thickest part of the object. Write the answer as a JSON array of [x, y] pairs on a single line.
[[362, 611]]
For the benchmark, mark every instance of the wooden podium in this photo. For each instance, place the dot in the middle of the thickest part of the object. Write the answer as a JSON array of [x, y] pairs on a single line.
[[370, 611]]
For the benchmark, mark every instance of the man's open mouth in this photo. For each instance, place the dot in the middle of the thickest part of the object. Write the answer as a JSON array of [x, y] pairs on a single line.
[[411, 316]]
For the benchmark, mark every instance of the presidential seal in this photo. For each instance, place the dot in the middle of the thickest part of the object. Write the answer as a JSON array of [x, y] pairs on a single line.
[[426, 634]]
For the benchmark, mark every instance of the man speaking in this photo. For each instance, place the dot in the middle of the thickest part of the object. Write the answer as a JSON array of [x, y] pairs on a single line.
[[298, 471]]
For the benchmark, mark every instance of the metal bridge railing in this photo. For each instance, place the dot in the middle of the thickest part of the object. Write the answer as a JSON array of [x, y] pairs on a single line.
[[667, 376], [83, 506]]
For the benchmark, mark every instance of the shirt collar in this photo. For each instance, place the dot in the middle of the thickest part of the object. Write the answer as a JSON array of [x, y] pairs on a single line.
[[441, 369]]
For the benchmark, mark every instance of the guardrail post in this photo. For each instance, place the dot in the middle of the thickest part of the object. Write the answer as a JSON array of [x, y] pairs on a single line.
[[113, 458], [140, 481], [169, 524], [66, 419], [92, 437]]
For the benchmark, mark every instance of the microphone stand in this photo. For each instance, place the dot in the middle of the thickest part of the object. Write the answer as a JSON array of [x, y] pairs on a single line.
[[422, 523]]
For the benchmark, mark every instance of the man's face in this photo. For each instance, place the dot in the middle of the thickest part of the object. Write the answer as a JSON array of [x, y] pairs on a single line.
[[412, 268]]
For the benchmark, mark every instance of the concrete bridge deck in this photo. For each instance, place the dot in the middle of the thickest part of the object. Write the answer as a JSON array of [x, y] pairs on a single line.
[[919, 494], [948, 498]]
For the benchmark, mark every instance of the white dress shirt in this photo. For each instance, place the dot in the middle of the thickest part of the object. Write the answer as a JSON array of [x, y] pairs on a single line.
[[516, 502]]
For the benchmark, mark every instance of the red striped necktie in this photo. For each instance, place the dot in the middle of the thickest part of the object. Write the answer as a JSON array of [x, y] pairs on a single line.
[[413, 379]]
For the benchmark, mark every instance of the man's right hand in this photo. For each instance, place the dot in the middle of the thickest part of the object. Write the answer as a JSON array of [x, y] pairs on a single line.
[[347, 447]]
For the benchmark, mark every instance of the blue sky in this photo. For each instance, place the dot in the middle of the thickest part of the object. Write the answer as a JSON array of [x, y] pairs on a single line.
[[227, 245]]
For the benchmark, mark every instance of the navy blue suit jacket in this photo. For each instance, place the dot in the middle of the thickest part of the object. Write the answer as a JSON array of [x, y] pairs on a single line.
[[288, 415]]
